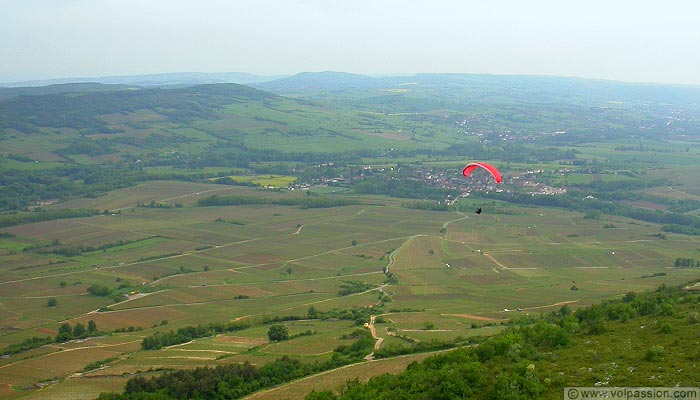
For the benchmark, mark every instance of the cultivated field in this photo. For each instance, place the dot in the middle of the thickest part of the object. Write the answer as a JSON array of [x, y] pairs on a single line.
[[457, 274]]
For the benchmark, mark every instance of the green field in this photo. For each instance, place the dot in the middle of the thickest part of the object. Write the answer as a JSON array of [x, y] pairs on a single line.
[[272, 181]]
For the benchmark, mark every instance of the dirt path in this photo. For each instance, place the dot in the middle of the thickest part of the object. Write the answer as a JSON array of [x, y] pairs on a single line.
[[559, 304], [344, 218], [490, 257], [474, 317], [444, 226], [392, 256], [378, 340]]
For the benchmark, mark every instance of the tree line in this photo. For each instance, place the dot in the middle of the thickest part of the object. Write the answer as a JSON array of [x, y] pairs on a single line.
[[671, 221], [45, 215], [159, 340], [686, 263], [237, 380], [65, 333]]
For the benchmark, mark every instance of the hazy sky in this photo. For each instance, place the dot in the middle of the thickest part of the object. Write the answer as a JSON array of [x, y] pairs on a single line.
[[641, 40]]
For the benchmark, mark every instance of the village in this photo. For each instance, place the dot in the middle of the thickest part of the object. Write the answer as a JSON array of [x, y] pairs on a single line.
[[529, 181]]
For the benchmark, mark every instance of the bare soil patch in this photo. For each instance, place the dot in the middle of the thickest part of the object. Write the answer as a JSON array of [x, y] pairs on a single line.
[[475, 317], [241, 340]]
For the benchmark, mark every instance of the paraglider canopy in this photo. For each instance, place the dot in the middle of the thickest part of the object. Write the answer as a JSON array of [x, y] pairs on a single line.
[[492, 170]]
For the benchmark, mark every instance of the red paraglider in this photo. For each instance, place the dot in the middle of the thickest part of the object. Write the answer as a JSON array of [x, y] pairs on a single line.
[[474, 165]]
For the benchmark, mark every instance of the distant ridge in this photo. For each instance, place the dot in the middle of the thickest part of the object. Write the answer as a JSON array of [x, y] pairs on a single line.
[[327, 80], [166, 79], [496, 85], [88, 87]]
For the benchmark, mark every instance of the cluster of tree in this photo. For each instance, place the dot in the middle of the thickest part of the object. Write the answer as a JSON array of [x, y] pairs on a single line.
[[227, 180], [219, 219], [350, 287], [230, 381], [72, 250], [99, 290], [358, 314], [20, 188], [325, 202], [159, 340], [44, 215], [613, 188], [79, 331], [683, 205], [158, 204], [85, 147], [391, 279], [363, 345], [215, 200], [685, 230], [79, 249], [65, 333], [278, 332], [405, 188], [99, 364], [427, 205], [686, 263], [27, 344]]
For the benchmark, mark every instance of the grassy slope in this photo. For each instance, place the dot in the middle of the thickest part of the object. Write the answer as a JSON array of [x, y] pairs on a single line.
[[644, 351]]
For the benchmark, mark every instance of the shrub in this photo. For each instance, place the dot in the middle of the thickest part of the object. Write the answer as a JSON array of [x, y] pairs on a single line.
[[654, 353], [278, 332], [98, 290], [665, 327]]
